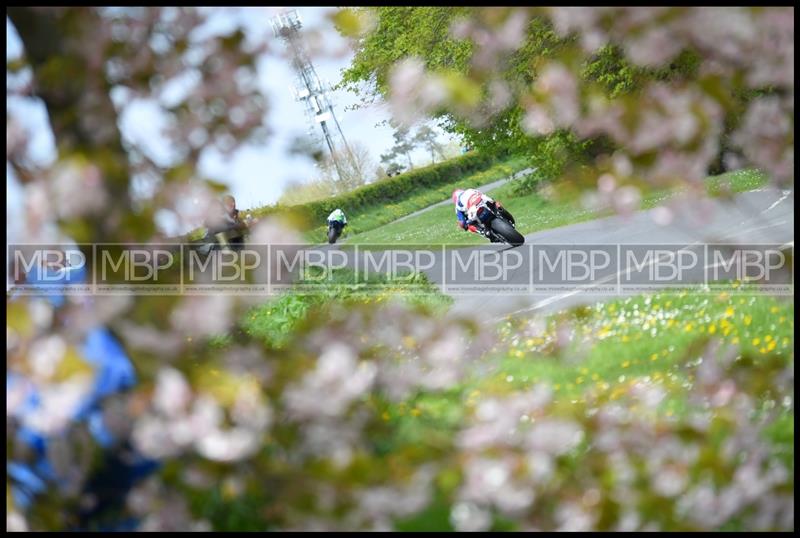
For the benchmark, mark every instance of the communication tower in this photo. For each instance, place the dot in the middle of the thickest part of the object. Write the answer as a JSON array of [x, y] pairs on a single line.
[[310, 90]]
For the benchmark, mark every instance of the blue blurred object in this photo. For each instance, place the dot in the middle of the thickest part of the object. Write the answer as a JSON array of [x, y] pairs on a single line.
[[25, 484], [48, 277], [113, 373]]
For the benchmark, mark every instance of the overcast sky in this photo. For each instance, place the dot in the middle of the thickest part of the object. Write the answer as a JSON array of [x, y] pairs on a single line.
[[256, 175]]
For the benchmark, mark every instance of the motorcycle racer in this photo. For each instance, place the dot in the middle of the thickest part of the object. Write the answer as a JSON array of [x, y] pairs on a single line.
[[336, 223], [472, 209], [337, 218]]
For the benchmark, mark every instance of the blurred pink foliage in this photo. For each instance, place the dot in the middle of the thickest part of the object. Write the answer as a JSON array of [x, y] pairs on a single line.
[[306, 425]]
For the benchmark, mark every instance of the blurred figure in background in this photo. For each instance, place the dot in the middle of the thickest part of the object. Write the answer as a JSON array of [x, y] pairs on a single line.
[[36, 459], [225, 225]]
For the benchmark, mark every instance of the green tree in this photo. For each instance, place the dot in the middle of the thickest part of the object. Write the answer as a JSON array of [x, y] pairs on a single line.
[[389, 160], [482, 52], [400, 32], [404, 143], [426, 137], [424, 32]]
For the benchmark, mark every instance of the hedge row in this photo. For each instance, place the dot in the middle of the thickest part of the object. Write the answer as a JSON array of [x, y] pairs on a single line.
[[385, 191]]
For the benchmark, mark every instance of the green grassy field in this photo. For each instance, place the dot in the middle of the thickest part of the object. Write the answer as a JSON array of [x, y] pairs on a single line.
[[648, 337], [651, 338], [610, 346], [274, 321], [533, 212]]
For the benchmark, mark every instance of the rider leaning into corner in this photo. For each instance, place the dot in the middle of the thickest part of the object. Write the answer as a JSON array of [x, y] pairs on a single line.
[[471, 209]]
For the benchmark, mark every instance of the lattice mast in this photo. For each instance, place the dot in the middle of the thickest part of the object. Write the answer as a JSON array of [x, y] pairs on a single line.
[[309, 89]]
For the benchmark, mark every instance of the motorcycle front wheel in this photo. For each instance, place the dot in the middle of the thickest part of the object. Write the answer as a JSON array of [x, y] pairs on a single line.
[[333, 235], [507, 232]]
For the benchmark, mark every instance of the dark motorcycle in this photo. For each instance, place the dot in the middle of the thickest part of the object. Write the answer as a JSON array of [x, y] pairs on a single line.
[[334, 231], [233, 240], [497, 225]]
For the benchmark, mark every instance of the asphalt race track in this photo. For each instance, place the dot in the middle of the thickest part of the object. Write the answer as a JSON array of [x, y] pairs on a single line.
[[764, 216]]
